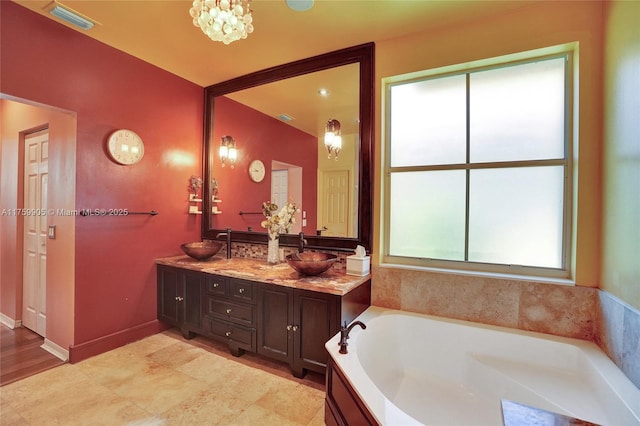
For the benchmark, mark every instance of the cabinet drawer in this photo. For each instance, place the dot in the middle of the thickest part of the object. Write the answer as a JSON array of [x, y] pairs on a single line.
[[216, 284], [230, 311], [241, 290], [242, 337]]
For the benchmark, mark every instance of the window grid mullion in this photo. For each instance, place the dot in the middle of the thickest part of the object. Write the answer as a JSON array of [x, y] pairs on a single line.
[[467, 172], [468, 166], [475, 166]]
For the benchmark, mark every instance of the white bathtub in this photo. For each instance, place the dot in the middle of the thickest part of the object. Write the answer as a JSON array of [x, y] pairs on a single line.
[[417, 369]]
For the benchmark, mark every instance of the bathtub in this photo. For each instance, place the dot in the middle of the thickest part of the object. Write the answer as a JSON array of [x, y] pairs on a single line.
[[410, 369]]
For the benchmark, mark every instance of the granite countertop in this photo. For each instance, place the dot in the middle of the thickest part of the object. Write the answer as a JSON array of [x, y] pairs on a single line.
[[332, 281]]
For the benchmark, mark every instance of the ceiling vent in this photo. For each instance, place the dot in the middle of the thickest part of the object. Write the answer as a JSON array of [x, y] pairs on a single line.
[[69, 15], [285, 117]]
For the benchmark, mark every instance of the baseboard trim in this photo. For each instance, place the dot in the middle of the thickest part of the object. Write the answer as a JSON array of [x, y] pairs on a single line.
[[111, 341], [10, 322], [55, 350]]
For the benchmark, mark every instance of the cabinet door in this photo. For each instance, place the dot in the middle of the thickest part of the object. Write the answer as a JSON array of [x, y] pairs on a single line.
[[167, 295], [316, 318], [190, 300], [275, 322]]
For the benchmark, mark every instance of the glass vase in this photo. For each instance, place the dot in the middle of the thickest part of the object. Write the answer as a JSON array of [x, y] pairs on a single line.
[[273, 250]]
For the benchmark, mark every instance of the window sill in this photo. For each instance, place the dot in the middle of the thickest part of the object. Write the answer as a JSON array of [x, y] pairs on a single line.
[[497, 275]]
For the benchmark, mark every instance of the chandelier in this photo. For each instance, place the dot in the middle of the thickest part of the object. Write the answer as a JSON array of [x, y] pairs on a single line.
[[332, 138], [223, 20]]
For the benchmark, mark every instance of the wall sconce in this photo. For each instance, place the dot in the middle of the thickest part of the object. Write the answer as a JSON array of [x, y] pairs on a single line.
[[228, 150], [332, 138]]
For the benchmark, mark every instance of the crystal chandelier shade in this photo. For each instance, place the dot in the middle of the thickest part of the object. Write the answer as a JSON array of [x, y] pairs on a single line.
[[223, 20]]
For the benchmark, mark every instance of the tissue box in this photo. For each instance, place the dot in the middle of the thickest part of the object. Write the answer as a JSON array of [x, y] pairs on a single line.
[[358, 265]]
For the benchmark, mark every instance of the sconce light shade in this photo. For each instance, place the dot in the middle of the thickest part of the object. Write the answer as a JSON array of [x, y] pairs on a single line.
[[333, 138], [228, 150]]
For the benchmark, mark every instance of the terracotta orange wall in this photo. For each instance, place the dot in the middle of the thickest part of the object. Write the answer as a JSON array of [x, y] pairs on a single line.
[[115, 290], [17, 118], [540, 25], [259, 137]]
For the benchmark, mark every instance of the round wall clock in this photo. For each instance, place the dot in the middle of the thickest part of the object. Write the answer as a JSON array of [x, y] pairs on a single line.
[[257, 171], [125, 147]]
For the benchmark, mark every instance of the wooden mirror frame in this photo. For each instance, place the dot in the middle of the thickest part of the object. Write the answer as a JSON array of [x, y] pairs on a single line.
[[362, 55]]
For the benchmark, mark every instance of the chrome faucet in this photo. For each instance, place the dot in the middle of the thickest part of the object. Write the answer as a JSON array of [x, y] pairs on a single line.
[[301, 243], [344, 335], [228, 235]]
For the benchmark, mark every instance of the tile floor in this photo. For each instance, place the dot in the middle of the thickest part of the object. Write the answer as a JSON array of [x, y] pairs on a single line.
[[166, 380]]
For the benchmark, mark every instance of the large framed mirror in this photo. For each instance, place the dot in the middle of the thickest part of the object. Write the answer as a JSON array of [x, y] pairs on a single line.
[[276, 120]]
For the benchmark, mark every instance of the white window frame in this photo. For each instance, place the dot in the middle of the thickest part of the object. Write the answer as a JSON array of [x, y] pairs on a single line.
[[564, 274]]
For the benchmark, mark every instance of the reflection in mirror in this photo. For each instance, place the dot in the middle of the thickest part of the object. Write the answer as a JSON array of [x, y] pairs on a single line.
[[298, 167], [279, 121]]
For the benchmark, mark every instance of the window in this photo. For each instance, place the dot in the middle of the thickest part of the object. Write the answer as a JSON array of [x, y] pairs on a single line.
[[478, 168]]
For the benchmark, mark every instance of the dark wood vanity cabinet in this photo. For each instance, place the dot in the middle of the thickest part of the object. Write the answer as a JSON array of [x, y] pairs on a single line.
[[179, 299], [343, 406], [294, 324], [230, 312], [283, 323]]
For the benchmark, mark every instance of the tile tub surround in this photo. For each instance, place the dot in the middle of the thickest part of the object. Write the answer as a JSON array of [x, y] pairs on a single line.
[[618, 334], [569, 311], [165, 380], [560, 310]]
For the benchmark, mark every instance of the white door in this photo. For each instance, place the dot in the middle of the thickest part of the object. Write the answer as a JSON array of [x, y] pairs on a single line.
[[334, 218], [279, 187], [34, 264]]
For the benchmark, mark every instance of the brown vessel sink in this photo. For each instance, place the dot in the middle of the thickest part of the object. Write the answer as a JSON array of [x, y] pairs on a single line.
[[311, 263], [201, 250]]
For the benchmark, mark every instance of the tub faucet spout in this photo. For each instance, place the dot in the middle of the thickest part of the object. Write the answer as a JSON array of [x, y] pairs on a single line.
[[344, 335], [228, 235]]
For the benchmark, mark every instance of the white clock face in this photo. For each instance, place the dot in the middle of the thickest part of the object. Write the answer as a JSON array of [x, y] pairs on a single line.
[[257, 170], [125, 147]]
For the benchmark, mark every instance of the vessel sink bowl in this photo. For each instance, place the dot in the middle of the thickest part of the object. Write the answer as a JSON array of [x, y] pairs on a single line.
[[311, 263], [201, 250]]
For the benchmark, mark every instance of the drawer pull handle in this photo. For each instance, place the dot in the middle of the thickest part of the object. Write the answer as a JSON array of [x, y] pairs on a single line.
[[228, 333], [241, 291], [228, 310], [179, 299], [216, 285]]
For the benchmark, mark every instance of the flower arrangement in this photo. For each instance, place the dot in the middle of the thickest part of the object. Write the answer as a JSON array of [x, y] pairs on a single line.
[[278, 222], [214, 187], [195, 183]]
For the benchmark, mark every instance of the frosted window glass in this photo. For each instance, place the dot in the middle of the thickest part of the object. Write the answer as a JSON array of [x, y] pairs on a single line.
[[428, 122], [517, 112], [516, 216], [428, 215]]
